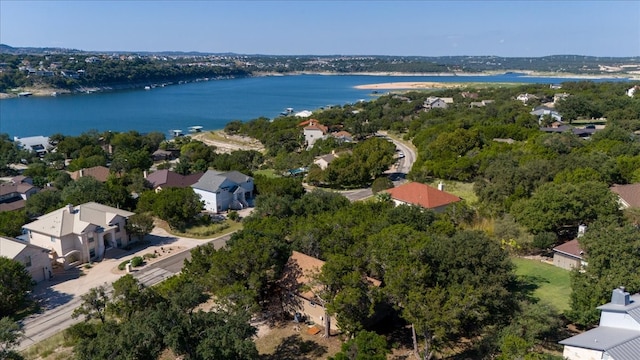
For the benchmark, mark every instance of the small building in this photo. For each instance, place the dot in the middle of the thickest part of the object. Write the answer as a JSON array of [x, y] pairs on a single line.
[[79, 234], [165, 155], [220, 191], [628, 195], [569, 255], [34, 258], [616, 338], [423, 195], [542, 111], [525, 98]]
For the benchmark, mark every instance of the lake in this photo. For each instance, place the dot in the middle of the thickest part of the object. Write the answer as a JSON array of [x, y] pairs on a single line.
[[210, 104]]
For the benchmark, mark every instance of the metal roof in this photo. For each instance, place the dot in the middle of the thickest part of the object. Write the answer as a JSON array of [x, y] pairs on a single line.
[[603, 338], [629, 350]]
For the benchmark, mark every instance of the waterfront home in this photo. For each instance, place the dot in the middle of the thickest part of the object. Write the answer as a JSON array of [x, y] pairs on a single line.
[[80, 234], [37, 144]]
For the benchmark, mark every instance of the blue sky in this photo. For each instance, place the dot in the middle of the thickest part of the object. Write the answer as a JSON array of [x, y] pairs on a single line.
[[425, 28]]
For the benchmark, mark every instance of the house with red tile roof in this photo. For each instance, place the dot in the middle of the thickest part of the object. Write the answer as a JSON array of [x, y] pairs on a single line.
[[313, 131], [628, 195], [428, 197], [569, 255]]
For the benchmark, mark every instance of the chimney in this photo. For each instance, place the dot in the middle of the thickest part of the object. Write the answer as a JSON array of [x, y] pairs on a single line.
[[145, 174], [81, 172], [581, 229], [440, 186], [70, 208], [620, 297]]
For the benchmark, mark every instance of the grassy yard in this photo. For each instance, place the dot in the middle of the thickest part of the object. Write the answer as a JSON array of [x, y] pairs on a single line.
[[553, 285], [202, 231], [460, 189], [270, 173]]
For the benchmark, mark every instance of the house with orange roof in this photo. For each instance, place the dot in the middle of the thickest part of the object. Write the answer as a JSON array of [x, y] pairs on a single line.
[[303, 299], [418, 194]]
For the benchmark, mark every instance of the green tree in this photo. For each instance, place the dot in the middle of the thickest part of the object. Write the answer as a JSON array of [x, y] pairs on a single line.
[[86, 189], [44, 202], [10, 335], [366, 345], [15, 286], [177, 206], [94, 305], [11, 222], [139, 225], [381, 183], [611, 252]]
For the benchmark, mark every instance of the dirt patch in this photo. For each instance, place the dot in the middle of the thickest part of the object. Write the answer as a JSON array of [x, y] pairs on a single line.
[[285, 341], [226, 143]]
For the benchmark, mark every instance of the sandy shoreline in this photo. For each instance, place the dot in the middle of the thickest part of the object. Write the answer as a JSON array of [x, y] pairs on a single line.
[[46, 91]]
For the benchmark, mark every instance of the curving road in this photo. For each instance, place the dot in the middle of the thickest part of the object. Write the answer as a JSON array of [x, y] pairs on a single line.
[[397, 172]]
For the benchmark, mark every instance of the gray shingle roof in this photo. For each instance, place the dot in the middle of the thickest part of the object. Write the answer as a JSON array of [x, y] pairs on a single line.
[[211, 180], [602, 338]]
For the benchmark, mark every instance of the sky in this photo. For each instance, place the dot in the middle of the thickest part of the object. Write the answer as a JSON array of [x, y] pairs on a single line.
[[297, 27]]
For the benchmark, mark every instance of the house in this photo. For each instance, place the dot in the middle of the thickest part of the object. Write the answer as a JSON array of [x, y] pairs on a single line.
[[303, 114], [324, 160], [542, 111], [14, 194], [35, 258], [616, 338], [482, 103], [79, 234], [99, 173], [525, 98], [632, 91], [428, 197], [628, 195], [433, 102], [37, 144], [162, 179], [165, 155], [569, 255], [313, 132], [223, 191], [342, 136], [303, 297]]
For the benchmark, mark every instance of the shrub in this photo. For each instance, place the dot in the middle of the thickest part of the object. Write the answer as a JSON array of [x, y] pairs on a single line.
[[137, 261], [123, 265], [149, 256], [233, 215]]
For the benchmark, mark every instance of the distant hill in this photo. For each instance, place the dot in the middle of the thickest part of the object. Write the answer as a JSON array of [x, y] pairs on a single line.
[[6, 49]]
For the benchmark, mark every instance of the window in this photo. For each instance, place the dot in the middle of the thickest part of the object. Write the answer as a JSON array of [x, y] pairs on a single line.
[[27, 261], [118, 227], [92, 253], [53, 239], [91, 239]]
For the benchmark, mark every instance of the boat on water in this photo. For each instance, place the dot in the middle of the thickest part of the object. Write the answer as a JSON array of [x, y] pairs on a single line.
[[176, 132], [147, 87], [25, 94], [287, 111]]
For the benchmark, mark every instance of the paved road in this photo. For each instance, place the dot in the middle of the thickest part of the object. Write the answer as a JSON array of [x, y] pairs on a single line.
[[41, 326]]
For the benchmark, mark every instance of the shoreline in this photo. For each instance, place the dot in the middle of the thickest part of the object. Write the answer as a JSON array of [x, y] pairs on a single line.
[[50, 91]]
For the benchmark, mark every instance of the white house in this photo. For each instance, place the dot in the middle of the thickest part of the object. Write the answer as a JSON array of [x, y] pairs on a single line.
[[34, 258], [37, 144], [542, 111], [433, 102], [79, 234], [313, 132], [616, 338], [224, 191]]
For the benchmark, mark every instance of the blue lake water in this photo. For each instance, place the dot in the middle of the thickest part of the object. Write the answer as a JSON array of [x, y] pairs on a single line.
[[210, 104]]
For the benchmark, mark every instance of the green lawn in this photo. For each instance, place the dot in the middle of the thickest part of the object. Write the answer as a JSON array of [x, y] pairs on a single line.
[[270, 173], [553, 285]]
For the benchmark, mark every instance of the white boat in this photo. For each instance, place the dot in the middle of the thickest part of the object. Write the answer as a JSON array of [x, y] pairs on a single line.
[[176, 132], [147, 87]]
